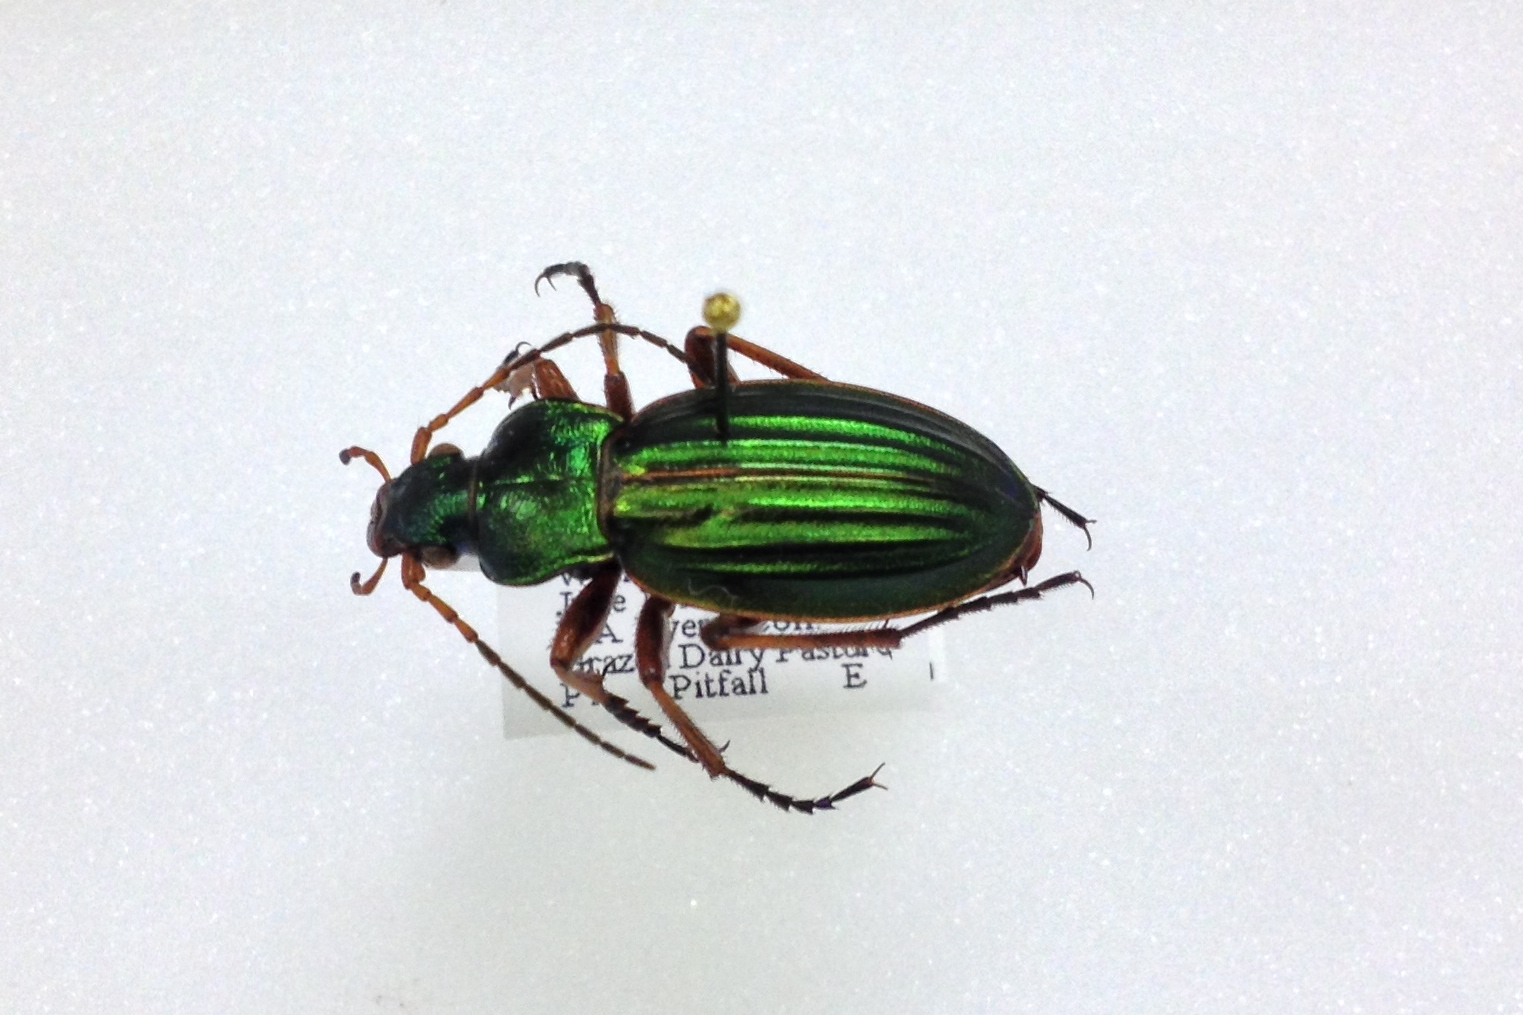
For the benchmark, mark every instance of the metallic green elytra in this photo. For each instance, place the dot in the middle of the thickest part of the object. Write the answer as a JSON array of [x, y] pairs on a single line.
[[827, 501], [796, 499]]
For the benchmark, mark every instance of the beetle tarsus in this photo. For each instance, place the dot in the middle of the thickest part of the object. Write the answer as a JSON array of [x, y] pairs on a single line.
[[621, 710], [1073, 517], [783, 801], [583, 276]]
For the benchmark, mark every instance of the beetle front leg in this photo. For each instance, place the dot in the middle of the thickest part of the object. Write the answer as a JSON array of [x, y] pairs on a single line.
[[579, 628], [540, 378]]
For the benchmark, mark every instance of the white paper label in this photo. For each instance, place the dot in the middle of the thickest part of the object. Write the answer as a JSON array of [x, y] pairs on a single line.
[[738, 684]]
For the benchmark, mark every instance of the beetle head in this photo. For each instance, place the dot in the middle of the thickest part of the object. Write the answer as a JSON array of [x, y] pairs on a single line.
[[381, 536]]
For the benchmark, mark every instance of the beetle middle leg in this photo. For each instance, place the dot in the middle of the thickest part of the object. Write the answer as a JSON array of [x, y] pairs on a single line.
[[652, 641], [709, 366], [615, 385], [701, 347]]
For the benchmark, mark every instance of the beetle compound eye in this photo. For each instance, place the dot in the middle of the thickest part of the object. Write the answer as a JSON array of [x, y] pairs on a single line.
[[445, 451], [438, 556], [377, 519]]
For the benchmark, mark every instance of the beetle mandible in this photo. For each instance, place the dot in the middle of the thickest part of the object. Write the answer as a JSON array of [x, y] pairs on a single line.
[[796, 499]]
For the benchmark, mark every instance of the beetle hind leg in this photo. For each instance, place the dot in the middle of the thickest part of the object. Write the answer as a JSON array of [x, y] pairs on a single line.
[[983, 603], [731, 632], [701, 347], [652, 636], [708, 351], [1073, 517]]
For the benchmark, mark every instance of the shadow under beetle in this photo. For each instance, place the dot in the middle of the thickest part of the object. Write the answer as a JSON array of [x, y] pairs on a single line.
[[797, 499]]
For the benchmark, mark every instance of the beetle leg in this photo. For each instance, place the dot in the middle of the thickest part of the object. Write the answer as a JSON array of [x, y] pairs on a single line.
[[412, 579], [615, 385], [999, 599], [652, 641], [579, 628], [727, 632], [1072, 516], [583, 277], [542, 379], [708, 364], [607, 328], [700, 344], [616, 394], [519, 359]]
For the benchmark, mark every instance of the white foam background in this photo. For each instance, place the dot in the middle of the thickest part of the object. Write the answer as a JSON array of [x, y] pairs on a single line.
[[1240, 281]]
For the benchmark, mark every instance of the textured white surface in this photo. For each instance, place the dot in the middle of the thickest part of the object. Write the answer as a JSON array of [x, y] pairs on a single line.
[[1245, 286]]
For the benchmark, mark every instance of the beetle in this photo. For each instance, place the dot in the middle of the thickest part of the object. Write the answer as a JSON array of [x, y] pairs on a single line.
[[791, 499]]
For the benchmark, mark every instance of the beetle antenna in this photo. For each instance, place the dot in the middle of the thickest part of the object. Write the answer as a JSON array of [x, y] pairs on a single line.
[[523, 358], [346, 456], [412, 579], [367, 587], [350, 454]]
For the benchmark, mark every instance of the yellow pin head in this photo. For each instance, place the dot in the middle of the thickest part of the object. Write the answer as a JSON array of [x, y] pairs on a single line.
[[721, 311]]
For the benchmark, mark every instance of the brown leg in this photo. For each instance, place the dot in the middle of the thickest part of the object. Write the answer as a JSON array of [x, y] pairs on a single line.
[[1069, 514], [651, 643], [540, 379], [700, 347], [579, 628], [708, 364], [615, 387], [652, 640], [726, 631], [412, 579]]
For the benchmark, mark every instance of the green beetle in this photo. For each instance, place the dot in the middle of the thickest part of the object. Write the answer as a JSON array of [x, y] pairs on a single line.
[[797, 499]]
